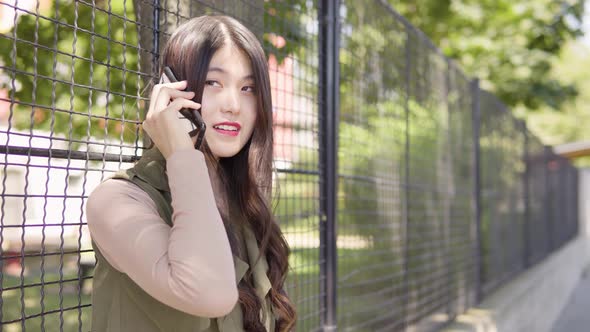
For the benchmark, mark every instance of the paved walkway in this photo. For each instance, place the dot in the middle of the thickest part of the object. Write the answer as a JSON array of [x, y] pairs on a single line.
[[575, 317]]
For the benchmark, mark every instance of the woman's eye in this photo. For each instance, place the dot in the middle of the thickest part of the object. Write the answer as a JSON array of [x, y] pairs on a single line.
[[212, 83], [249, 89]]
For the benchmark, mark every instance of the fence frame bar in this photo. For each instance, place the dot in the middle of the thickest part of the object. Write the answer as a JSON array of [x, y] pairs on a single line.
[[406, 177], [328, 68], [526, 194], [476, 201], [548, 204]]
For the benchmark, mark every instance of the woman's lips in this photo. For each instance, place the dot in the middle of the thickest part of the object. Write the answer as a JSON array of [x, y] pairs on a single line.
[[227, 128], [227, 132]]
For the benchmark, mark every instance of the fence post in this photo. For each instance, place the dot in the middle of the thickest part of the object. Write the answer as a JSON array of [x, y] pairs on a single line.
[[448, 217], [562, 212], [575, 189], [406, 181], [156, 36], [328, 152], [147, 141], [526, 194], [476, 201], [547, 218]]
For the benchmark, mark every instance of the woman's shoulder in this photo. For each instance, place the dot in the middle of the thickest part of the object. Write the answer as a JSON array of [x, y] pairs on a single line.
[[114, 186], [114, 192]]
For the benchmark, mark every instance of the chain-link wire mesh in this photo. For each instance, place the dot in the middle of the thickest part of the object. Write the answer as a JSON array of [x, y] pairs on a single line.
[[439, 193], [502, 194], [404, 214]]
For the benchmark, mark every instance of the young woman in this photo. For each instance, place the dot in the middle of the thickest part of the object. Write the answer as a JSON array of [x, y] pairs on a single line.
[[185, 239]]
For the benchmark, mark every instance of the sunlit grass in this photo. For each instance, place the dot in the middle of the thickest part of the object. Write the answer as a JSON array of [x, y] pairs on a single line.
[[26, 302]]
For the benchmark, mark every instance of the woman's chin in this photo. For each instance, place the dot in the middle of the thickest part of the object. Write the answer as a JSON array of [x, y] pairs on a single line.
[[223, 153]]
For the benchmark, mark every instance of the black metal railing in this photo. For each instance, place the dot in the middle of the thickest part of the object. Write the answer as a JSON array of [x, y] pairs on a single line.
[[406, 192]]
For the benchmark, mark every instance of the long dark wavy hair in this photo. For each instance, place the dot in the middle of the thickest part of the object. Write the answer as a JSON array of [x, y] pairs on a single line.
[[247, 176]]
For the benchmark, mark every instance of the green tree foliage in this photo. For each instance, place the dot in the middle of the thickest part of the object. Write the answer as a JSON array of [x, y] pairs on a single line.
[[569, 124], [83, 72], [566, 126], [509, 44]]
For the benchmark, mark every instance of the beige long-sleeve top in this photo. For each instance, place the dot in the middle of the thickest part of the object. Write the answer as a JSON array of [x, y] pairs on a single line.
[[188, 266]]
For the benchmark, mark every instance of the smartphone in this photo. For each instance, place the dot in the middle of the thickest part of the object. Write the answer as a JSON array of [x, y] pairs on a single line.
[[193, 116]]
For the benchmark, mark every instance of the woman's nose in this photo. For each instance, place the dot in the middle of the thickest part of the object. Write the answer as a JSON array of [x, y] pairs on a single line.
[[231, 102]]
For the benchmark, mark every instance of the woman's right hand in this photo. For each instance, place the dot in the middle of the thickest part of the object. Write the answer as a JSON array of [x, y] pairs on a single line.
[[163, 122]]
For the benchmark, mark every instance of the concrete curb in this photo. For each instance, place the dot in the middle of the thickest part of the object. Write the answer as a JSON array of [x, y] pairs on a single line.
[[534, 299]]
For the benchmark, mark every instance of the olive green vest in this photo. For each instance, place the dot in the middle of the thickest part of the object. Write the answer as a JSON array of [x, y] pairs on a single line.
[[120, 305]]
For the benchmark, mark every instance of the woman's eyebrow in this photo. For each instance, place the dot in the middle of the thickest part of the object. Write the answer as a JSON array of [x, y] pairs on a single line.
[[222, 71]]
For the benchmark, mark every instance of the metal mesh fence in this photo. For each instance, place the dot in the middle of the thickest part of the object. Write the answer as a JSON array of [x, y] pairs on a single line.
[[405, 176], [404, 190], [538, 232], [502, 196]]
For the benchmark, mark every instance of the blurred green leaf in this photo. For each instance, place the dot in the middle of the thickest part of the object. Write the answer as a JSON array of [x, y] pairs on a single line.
[[495, 39]]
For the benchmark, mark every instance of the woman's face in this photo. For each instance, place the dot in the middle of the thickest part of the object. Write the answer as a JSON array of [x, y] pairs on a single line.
[[229, 102]]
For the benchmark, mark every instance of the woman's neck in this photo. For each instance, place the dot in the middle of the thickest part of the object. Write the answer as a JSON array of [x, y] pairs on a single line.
[[217, 186]]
